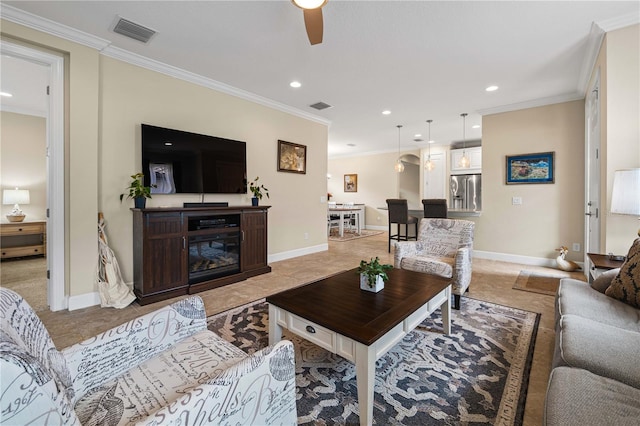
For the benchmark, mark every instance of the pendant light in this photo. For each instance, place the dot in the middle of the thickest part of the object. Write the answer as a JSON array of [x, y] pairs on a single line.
[[429, 165], [399, 167], [464, 160]]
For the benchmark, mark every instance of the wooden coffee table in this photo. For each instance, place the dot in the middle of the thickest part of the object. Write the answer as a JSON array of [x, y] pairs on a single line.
[[361, 326]]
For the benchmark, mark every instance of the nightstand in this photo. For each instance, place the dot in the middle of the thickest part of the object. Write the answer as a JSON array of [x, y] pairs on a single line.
[[20, 239], [601, 263]]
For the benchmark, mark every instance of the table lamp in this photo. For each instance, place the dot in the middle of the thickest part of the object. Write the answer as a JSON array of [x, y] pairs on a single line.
[[625, 198], [15, 197]]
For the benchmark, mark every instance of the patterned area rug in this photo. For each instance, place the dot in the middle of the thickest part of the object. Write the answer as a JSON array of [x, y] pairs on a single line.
[[478, 374], [352, 235], [538, 282]]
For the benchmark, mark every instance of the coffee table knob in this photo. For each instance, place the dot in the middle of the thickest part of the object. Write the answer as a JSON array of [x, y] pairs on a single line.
[[311, 329]]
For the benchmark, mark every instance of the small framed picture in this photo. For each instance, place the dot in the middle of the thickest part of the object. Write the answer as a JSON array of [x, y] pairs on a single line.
[[292, 157], [351, 183], [530, 168]]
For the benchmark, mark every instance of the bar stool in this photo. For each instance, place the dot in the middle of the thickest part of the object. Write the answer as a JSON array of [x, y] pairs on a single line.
[[435, 208], [399, 214]]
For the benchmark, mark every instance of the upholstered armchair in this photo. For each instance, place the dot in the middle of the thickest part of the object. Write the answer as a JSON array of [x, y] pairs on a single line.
[[161, 368], [444, 248]]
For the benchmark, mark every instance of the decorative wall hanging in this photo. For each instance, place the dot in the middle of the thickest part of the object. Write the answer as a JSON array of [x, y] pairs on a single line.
[[292, 157], [530, 168], [351, 183]]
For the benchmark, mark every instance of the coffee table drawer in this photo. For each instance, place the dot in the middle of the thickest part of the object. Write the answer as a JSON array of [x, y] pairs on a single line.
[[312, 332]]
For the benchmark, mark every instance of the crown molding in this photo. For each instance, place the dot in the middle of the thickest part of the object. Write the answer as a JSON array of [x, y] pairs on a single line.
[[619, 22], [105, 47], [171, 71], [48, 26], [594, 43], [532, 103]]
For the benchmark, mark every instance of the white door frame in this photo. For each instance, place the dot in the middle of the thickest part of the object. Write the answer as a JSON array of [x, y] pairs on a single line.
[[55, 168], [593, 203]]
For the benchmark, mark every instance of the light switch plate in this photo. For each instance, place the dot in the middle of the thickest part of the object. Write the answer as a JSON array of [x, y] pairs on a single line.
[[516, 201]]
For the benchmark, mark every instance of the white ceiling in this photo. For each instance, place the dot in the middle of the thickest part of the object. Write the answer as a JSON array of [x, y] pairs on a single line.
[[420, 59]]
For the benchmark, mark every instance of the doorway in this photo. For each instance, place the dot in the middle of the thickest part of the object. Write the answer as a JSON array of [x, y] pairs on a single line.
[[592, 176], [51, 107]]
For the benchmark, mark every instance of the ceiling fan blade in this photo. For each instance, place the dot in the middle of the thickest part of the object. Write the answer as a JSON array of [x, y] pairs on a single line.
[[313, 23]]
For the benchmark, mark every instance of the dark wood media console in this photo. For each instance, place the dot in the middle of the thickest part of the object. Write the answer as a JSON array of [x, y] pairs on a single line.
[[179, 251]]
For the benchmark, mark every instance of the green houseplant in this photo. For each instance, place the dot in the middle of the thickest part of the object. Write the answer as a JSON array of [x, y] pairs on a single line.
[[373, 274], [258, 190], [138, 191]]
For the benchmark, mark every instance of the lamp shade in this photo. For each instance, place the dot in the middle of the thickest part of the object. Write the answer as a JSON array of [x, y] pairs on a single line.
[[625, 198], [15, 196]]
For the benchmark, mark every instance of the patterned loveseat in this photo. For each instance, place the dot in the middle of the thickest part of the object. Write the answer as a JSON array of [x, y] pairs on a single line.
[[444, 247], [161, 368]]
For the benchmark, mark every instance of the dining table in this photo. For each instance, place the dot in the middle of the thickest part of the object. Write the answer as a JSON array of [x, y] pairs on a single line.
[[341, 211]]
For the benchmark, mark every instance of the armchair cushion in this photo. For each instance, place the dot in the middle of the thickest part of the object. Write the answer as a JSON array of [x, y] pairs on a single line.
[[153, 384], [440, 266], [626, 285]]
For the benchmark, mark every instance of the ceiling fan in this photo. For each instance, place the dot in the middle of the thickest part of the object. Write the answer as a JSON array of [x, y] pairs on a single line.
[[312, 10]]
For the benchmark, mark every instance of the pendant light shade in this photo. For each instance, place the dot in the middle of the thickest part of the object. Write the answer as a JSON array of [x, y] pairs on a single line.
[[464, 160], [399, 167], [429, 165]]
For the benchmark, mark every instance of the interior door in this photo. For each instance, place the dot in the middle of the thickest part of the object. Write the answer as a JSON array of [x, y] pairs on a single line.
[[593, 208]]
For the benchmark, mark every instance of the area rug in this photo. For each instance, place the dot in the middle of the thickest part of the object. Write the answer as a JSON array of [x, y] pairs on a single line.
[[28, 277], [478, 374], [352, 235], [538, 282]]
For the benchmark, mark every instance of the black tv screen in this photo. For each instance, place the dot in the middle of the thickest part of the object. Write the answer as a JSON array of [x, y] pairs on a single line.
[[182, 162]]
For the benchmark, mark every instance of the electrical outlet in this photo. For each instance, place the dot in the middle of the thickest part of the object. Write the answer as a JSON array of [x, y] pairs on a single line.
[[323, 199], [576, 247], [516, 201]]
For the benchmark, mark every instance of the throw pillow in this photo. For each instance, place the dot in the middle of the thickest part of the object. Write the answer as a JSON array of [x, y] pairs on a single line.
[[626, 286]]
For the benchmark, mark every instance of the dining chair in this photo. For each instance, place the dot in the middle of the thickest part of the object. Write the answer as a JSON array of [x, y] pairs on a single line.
[[399, 215], [435, 208]]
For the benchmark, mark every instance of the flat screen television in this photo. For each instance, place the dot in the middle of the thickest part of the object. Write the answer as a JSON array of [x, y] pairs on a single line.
[[182, 162]]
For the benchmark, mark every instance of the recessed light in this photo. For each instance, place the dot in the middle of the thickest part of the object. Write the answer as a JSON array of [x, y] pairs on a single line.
[[295, 84], [491, 88], [386, 112], [417, 135], [432, 141], [475, 126], [351, 144], [168, 144], [5, 94]]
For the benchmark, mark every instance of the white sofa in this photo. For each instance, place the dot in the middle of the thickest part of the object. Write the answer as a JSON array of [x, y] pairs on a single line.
[[161, 368]]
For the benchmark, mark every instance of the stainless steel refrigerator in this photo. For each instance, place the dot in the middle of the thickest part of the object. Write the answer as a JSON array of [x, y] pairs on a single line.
[[465, 192]]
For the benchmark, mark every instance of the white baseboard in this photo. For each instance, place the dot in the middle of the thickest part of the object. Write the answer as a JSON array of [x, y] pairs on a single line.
[[516, 258], [84, 301], [298, 252], [377, 227]]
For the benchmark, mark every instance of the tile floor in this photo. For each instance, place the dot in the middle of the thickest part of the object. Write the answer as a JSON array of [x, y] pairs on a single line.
[[491, 281]]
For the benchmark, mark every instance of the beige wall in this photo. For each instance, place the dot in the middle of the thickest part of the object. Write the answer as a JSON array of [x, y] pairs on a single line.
[[377, 181], [23, 161], [551, 215], [132, 95], [622, 102], [106, 100]]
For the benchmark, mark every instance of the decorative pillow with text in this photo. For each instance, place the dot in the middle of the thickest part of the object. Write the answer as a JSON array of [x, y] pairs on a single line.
[[626, 286]]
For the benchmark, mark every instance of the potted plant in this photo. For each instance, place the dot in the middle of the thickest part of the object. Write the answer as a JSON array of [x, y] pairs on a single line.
[[373, 274], [257, 190], [138, 191]]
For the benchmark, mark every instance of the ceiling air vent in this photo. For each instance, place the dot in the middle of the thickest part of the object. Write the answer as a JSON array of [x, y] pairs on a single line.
[[132, 30], [320, 106]]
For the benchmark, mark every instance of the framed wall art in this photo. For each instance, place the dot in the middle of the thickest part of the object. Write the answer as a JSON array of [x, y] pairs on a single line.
[[530, 168], [351, 183], [292, 157]]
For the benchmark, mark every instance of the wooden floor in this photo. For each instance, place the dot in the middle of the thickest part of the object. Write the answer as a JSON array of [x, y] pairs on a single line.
[[491, 281]]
